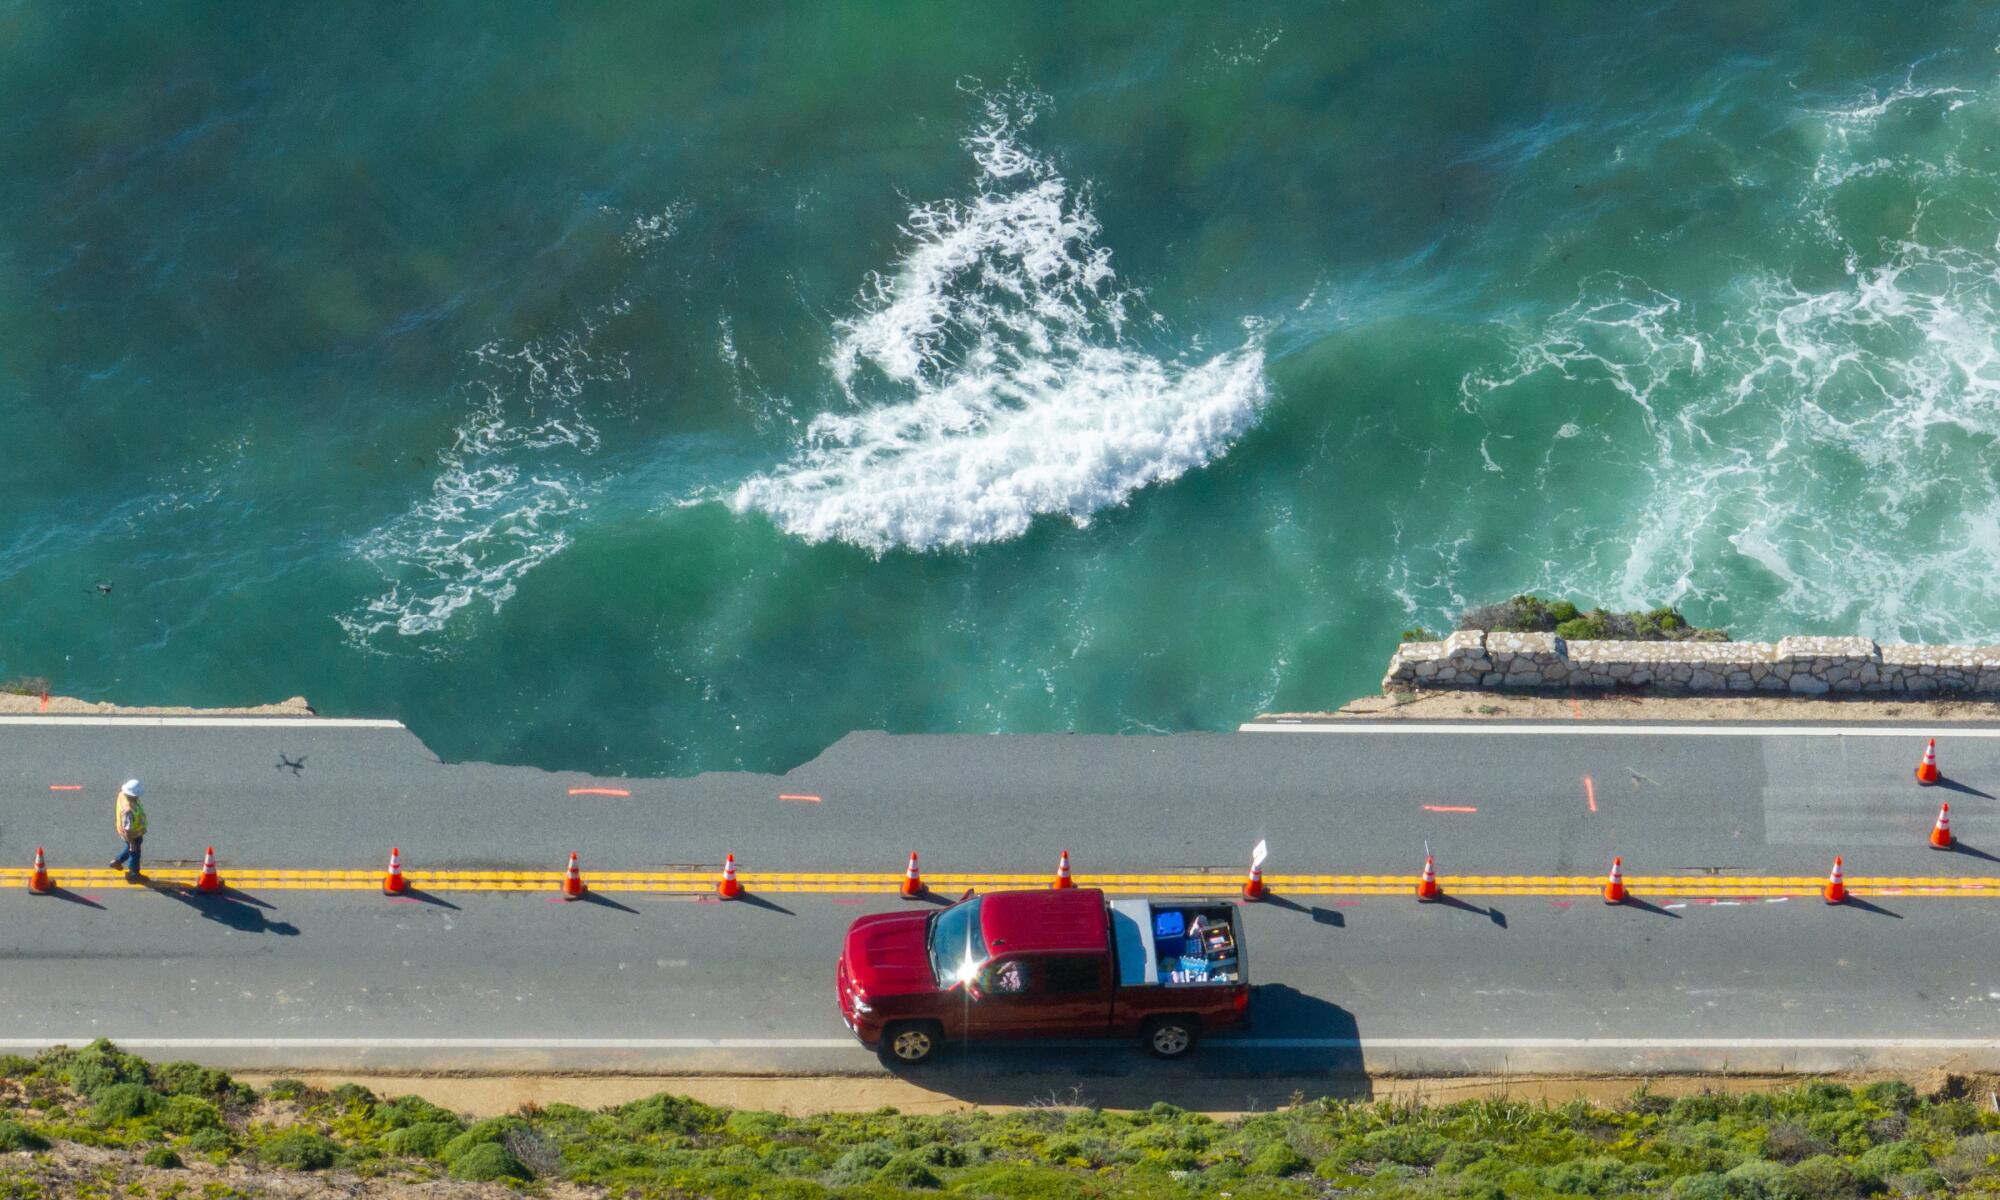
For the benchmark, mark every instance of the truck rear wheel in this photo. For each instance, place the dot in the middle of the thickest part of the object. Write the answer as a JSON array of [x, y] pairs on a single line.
[[1170, 1037], [911, 1042]]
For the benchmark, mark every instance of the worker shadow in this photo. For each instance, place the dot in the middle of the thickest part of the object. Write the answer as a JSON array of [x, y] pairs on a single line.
[[1854, 901], [1952, 785], [1633, 902], [62, 893], [229, 908], [1320, 916], [1491, 913]]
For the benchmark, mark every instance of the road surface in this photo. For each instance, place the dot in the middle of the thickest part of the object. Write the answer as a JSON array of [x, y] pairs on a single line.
[[1727, 959]]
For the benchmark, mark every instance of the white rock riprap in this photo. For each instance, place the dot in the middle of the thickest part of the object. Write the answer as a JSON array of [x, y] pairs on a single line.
[[1799, 666]]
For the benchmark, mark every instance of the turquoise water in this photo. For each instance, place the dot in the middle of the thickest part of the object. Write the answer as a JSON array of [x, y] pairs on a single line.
[[677, 387]]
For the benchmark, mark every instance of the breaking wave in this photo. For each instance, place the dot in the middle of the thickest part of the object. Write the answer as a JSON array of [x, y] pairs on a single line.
[[1829, 446], [1021, 384]]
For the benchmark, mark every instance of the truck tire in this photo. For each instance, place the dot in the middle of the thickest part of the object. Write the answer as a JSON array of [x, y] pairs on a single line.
[[911, 1042], [1170, 1037]]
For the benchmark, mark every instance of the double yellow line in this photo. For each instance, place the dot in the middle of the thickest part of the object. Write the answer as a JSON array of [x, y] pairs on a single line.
[[697, 883]]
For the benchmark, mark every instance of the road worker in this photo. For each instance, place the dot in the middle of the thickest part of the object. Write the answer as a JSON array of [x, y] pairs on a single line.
[[131, 821]]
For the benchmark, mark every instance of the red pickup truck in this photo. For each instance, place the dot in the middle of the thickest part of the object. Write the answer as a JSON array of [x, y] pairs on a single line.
[[1055, 963]]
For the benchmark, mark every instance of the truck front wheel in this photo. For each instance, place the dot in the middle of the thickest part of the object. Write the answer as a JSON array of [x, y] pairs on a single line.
[[911, 1042], [1170, 1037]]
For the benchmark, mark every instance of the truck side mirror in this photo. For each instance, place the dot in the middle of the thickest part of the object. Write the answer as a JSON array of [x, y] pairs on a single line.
[[967, 896]]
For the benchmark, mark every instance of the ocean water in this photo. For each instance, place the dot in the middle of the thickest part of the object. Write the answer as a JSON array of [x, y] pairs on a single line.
[[677, 387]]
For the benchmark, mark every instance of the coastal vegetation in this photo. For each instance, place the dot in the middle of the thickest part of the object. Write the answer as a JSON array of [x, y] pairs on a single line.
[[101, 1123], [1532, 614]]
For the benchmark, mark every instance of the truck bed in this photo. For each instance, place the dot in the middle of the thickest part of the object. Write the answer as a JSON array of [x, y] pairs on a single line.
[[1176, 944]]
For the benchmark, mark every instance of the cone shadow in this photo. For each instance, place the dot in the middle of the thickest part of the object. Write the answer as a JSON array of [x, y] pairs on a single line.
[[240, 913], [1952, 785], [603, 901], [62, 893], [1634, 902], [928, 896], [424, 897], [1973, 852], [1854, 901], [756, 901], [1492, 914]]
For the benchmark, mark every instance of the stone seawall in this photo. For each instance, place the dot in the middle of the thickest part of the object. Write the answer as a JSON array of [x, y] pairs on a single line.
[[1806, 666]]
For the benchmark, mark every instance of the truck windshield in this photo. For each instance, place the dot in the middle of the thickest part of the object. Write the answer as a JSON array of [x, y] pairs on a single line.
[[958, 948]]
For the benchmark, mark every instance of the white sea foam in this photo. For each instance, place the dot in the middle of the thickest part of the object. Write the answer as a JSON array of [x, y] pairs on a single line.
[[1824, 452], [1015, 386]]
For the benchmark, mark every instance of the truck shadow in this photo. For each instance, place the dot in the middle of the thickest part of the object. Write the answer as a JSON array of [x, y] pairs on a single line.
[[1299, 1044]]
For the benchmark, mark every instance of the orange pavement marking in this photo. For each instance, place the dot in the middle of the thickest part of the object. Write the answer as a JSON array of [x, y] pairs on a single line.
[[1590, 793], [65, 787], [1449, 808], [599, 792], [799, 797]]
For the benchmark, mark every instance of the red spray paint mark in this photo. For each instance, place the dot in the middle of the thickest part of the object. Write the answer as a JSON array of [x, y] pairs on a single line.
[[1561, 903], [801, 797], [1590, 793], [856, 900], [1575, 709], [404, 900], [1460, 808], [599, 792], [65, 787]]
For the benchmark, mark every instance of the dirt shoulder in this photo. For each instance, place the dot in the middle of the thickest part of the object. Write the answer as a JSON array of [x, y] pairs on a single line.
[[1222, 1098], [1460, 705]]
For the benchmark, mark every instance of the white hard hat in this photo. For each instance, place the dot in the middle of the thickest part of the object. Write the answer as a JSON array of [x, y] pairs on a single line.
[[133, 788]]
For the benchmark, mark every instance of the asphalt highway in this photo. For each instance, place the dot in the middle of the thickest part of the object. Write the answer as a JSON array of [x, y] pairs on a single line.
[[1728, 959]]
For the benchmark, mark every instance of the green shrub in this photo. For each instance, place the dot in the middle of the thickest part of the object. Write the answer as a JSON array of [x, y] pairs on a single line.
[[124, 1102], [1822, 1177], [1755, 1180], [349, 1095], [426, 1139], [13, 1066], [1420, 634], [1401, 1144], [1702, 1185], [192, 1079], [1890, 1158], [908, 1171], [285, 1089], [188, 1114], [1583, 629], [95, 1067], [1893, 1093], [1278, 1160], [15, 1136], [162, 1157], [485, 1161], [1587, 1177], [1952, 1116], [669, 1114], [491, 1131], [299, 1150], [412, 1110], [863, 1161], [209, 1140], [1919, 1183]]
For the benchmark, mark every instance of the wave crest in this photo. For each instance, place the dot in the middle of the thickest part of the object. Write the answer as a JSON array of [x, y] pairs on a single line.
[[1023, 391]]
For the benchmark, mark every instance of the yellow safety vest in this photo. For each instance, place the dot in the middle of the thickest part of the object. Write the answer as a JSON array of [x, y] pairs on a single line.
[[127, 805]]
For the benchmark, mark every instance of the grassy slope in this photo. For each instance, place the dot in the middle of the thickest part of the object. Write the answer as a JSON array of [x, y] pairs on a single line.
[[1817, 1140]]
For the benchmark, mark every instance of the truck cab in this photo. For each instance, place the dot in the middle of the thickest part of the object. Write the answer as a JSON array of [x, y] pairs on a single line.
[[1062, 963]]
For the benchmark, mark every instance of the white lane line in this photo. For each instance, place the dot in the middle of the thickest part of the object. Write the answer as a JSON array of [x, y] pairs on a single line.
[[1912, 731], [1248, 1043], [394, 1043], [209, 722]]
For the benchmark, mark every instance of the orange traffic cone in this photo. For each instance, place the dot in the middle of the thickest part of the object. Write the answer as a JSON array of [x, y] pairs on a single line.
[[1614, 883], [1255, 885], [1427, 887], [1835, 891], [209, 881], [39, 883], [913, 883], [1062, 872], [1941, 832], [573, 888], [729, 889], [1927, 772], [392, 883]]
